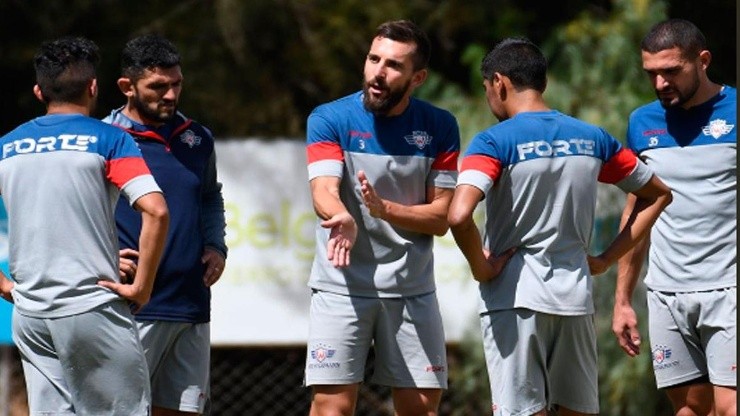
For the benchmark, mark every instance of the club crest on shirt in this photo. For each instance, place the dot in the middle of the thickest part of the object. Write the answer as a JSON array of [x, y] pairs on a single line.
[[717, 128], [418, 138], [190, 138]]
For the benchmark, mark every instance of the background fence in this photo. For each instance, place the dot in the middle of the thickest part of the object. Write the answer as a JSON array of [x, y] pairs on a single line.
[[268, 381]]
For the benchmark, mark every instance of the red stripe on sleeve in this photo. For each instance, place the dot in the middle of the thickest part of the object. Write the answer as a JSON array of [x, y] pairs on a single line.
[[618, 167], [485, 164], [120, 171], [323, 151], [446, 161]]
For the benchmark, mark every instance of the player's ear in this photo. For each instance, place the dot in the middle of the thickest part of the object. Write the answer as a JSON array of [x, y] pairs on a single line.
[[39, 95], [126, 85], [93, 88], [419, 77], [705, 58]]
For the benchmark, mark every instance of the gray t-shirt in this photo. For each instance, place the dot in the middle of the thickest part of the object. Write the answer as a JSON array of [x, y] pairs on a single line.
[[694, 241], [60, 177], [539, 172], [402, 156]]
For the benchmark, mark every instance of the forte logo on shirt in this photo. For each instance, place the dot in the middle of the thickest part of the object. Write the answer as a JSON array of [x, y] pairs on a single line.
[[27, 145], [541, 148]]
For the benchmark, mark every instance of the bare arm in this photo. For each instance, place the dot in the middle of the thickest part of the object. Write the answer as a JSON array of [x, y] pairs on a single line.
[[624, 319], [483, 265], [330, 208], [650, 201], [155, 220], [428, 218]]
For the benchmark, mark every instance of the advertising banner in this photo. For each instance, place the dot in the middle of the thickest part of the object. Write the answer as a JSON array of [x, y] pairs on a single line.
[[262, 297]]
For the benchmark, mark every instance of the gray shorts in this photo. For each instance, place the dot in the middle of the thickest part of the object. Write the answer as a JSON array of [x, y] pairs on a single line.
[[537, 360], [693, 334], [91, 363], [179, 356], [406, 334]]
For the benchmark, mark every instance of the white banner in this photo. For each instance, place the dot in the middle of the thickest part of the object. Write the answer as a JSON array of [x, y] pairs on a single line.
[[262, 297]]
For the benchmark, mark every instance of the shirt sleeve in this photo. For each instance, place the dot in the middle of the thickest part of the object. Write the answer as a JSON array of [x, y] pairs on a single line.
[[323, 149]]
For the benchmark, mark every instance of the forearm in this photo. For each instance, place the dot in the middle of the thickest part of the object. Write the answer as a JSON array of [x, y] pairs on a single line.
[[427, 218], [640, 213], [630, 264], [469, 241], [325, 196], [151, 245]]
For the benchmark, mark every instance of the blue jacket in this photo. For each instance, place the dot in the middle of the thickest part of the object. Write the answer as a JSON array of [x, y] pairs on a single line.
[[181, 156]]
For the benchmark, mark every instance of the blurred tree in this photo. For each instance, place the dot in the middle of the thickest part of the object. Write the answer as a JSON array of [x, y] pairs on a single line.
[[258, 67]]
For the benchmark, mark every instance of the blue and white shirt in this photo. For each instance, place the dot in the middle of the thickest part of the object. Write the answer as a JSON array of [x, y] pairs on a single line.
[[60, 177], [539, 172], [402, 156], [694, 242]]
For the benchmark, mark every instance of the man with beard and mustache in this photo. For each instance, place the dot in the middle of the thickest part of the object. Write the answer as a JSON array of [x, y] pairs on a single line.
[[688, 136], [382, 167], [61, 175], [174, 326]]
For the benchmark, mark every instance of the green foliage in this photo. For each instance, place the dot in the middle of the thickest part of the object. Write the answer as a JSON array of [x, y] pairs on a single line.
[[595, 67]]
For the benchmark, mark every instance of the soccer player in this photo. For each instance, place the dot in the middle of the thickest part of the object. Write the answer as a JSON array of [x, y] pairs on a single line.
[[382, 166], [538, 171], [174, 326], [688, 136], [60, 177]]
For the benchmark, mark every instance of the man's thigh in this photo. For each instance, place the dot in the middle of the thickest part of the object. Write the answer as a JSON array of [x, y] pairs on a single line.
[[178, 354], [339, 337], [410, 347], [102, 369]]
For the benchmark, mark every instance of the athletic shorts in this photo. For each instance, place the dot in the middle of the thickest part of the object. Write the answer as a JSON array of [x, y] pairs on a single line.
[[537, 360], [91, 363], [179, 357], [406, 334], [693, 334]]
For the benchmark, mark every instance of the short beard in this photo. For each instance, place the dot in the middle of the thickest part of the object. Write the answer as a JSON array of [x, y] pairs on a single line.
[[150, 115], [383, 106], [682, 96]]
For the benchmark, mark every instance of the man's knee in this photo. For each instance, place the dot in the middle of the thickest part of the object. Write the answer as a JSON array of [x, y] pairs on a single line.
[[333, 400]]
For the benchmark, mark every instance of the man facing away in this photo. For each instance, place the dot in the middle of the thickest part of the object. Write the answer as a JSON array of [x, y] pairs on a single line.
[[174, 326], [60, 177], [688, 136], [538, 171], [381, 166]]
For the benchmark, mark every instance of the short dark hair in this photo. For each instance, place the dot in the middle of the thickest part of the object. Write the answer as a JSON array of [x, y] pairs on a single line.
[[520, 60], [147, 52], [64, 68], [674, 33], [407, 31]]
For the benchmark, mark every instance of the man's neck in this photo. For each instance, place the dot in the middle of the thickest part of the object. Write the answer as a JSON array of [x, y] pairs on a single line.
[[706, 92], [67, 108]]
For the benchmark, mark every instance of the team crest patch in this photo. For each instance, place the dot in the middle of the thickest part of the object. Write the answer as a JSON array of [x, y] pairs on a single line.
[[418, 138], [322, 355], [662, 358], [322, 352], [717, 128], [190, 139], [661, 353]]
